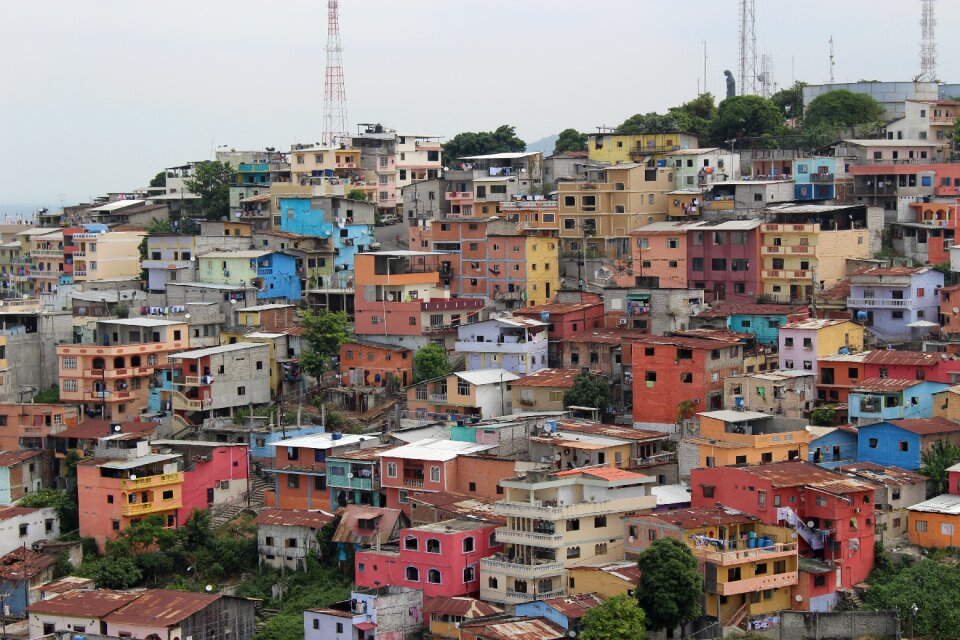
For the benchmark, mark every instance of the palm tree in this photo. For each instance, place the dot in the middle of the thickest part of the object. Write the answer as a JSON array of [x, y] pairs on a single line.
[[936, 460]]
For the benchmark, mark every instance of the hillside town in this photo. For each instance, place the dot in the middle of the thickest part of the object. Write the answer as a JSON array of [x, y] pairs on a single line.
[[693, 376]]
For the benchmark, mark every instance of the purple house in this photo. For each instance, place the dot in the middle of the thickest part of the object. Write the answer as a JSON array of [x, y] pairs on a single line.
[[724, 258], [892, 299]]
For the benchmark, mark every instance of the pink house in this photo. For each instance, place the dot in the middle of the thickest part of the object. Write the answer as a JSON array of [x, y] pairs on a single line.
[[214, 472], [442, 558]]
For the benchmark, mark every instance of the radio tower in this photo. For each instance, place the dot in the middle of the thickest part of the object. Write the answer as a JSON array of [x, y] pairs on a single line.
[[928, 42], [748, 49], [334, 94]]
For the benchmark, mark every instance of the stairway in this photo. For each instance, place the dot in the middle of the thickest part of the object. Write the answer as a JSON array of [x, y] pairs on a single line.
[[222, 513], [850, 599], [257, 486], [812, 537], [739, 616]]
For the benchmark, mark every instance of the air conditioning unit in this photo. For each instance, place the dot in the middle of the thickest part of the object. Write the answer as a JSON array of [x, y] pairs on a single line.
[[696, 401]]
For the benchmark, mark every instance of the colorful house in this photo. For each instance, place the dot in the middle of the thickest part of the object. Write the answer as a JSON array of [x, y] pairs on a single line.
[[354, 477], [607, 579], [892, 299], [543, 390], [802, 343], [879, 399], [214, 473], [813, 179], [831, 447], [901, 443], [724, 258], [797, 494], [761, 320], [442, 558], [912, 365], [566, 320], [564, 611], [448, 613], [21, 473], [740, 556], [474, 395], [273, 274], [371, 364], [838, 373], [896, 491]]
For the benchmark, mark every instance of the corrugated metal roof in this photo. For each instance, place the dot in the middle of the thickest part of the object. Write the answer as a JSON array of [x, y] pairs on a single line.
[[322, 440], [439, 450], [84, 603], [211, 351], [576, 605], [133, 463], [294, 518], [461, 606], [727, 415], [161, 607], [562, 378], [889, 385], [946, 503]]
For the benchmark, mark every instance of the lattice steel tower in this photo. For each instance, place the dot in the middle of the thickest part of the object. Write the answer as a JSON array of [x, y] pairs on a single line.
[[334, 94], [928, 41], [748, 49]]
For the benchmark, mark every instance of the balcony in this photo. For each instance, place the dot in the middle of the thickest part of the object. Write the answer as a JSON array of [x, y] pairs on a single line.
[[760, 583], [879, 303], [508, 295], [343, 482], [438, 397], [734, 557], [943, 120], [460, 197], [47, 252], [109, 374], [821, 177], [416, 483], [788, 274], [519, 597], [496, 347], [109, 396], [522, 571], [142, 508], [345, 165], [513, 536], [184, 403], [790, 228], [793, 250], [543, 511], [264, 271], [152, 481]]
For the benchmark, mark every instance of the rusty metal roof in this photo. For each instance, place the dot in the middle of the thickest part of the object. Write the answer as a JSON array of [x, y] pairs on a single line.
[[726, 309], [462, 606], [923, 426], [800, 473], [84, 603], [610, 430], [887, 385], [562, 378], [575, 606], [386, 521], [161, 607], [908, 358], [10, 458], [879, 474], [371, 453], [516, 629], [67, 583], [460, 505], [294, 518], [696, 517], [23, 563]]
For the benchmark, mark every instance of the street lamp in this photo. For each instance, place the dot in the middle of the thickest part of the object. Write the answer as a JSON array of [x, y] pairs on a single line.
[[913, 618]]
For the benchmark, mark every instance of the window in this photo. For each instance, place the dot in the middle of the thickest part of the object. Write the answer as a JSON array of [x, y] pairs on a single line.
[[673, 243], [946, 529], [697, 264], [600, 549], [762, 500], [69, 385], [821, 501], [599, 522], [433, 576], [904, 445], [708, 490], [920, 526], [492, 582], [69, 362], [241, 391], [413, 574], [686, 377], [468, 545], [168, 494], [873, 443], [23, 530], [820, 580], [434, 474], [469, 574], [293, 481], [433, 545], [259, 365], [391, 469], [573, 524]]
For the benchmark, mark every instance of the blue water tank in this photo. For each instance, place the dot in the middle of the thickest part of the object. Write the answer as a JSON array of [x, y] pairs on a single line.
[[544, 316], [551, 426], [861, 315], [738, 402], [661, 163], [337, 435]]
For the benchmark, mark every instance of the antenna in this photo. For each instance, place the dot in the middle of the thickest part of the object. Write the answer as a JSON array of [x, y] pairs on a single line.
[[334, 94], [705, 66], [832, 61], [768, 86], [928, 40], [748, 48]]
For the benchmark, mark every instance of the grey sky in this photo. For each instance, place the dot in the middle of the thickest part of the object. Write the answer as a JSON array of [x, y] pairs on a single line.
[[98, 95]]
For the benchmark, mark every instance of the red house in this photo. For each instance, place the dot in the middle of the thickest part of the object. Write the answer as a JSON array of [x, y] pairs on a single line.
[[442, 558], [723, 259], [670, 370], [214, 472], [912, 365], [840, 508], [567, 320]]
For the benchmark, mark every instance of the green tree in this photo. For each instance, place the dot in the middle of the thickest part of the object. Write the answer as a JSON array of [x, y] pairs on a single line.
[[211, 181], [51, 394], [619, 617], [936, 460], [324, 332], [649, 123], [570, 140], [116, 573], [790, 100], [931, 585], [745, 118], [477, 143], [823, 416], [357, 194], [842, 108], [670, 586], [65, 505], [589, 390], [685, 410], [696, 116], [159, 180], [430, 362]]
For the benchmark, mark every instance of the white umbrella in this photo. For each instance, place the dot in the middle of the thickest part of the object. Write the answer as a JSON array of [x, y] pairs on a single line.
[[922, 324]]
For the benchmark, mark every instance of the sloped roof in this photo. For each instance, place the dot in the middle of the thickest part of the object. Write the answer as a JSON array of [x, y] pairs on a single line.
[[161, 607], [921, 426], [387, 520], [461, 606], [295, 518]]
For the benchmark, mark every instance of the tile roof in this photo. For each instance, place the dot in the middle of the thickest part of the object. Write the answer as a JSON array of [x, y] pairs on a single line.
[[12, 512], [714, 334], [921, 426], [349, 530], [161, 607], [890, 385], [294, 518], [562, 378], [10, 458], [838, 291], [627, 571]]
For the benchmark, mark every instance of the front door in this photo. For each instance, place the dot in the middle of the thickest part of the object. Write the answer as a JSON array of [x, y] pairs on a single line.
[[210, 495]]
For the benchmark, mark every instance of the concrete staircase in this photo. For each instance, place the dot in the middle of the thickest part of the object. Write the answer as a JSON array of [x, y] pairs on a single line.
[[257, 485], [222, 513]]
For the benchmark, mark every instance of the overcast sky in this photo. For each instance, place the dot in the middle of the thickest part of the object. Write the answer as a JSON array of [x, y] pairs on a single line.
[[99, 95]]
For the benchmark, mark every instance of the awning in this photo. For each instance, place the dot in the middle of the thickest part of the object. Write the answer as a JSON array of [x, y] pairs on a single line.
[[365, 626], [922, 324]]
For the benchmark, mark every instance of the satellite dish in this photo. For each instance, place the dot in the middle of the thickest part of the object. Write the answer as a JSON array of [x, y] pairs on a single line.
[[193, 259], [556, 456], [956, 311], [209, 588], [810, 524], [187, 316], [798, 598], [133, 476], [350, 475]]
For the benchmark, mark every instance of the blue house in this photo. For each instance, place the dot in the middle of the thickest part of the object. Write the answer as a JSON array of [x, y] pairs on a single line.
[[813, 178], [761, 320], [280, 279], [564, 611], [347, 227], [23, 571], [899, 443], [260, 439], [831, 447], [877, 399]]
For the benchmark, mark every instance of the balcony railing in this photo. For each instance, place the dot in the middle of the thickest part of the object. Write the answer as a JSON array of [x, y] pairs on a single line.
[[181, 401], [118, 373], [514, 597], [881, 303], [152, 481], [788, 274], [739, 556], [149, 507], [99, 396], [949, 120], [517, 570], [438, 397], [800, 250], [759, 583], [505, 534], [413, 482], [790, 228], [821, 177]]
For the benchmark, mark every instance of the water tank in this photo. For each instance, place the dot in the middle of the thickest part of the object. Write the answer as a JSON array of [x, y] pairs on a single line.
[[551, 426], [544, 316], [861, 315], [738, 402], [337, 435]]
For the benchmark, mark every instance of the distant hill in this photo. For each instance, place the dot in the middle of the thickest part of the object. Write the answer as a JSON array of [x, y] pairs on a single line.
[[545, 145]]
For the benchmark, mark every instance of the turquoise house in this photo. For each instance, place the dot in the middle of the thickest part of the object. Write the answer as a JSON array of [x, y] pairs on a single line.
[[880, 399]]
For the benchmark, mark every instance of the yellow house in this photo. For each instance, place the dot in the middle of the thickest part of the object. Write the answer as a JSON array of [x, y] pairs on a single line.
[[729, 438], [309, 161], [805, 341], [609, 580], [946, 404], [617, 147], [749, 568], [543, 270], [542, 390], [447, 612], [106, 256]]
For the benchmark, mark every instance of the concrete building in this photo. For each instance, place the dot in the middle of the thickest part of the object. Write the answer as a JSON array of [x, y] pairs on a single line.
[[354, 477], [285, 537], [761, 320], [477, 394], [110, 376], [272, 274], [549, 517], [518, 344], [879, 399], [896, 491], [386, 612], [802, 343], [542, 390], [788, 393], [893, 299], [616, 148], [173, 257], [25, 527], [892, 96], [218, 380], [901, 443], [697, 168], [21, 473]]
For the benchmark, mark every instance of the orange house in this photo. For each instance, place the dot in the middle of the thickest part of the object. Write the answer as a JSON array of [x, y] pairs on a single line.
[[839, 373], [368, 364], [27, 426], [440, 466], [110, 377], [949, 311], [116, 492], [659, 253], [935, 523]]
